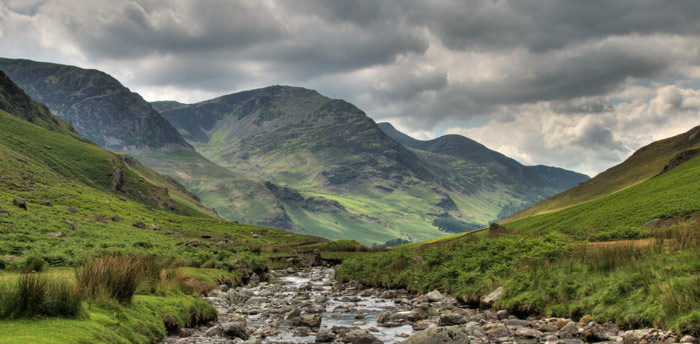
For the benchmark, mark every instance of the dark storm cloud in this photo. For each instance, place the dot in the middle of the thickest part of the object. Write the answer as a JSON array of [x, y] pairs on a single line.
[[543, 64], [542, 25], [129, 29]]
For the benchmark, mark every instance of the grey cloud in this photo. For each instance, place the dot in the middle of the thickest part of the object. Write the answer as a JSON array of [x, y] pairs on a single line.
[[129, 29], [583, 106], [542, 25], [424, 62], [598, 136]]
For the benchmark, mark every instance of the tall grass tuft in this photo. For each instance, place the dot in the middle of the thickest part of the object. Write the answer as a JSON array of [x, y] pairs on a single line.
[[115, 276], [34, 294]]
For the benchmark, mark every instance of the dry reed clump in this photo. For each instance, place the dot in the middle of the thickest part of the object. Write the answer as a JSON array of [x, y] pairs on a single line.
[[116, 276], [34, 294]]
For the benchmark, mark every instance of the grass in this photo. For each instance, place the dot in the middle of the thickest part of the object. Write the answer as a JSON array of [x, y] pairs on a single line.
[[34, 294], [594, 258], [65, 187], [115, 276], [142, 321], [641, 166], [622, 214]]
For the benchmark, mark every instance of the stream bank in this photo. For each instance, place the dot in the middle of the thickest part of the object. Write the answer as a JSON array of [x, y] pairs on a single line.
[[309, 306]]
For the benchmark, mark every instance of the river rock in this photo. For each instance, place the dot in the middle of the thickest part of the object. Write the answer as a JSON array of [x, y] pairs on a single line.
[[526, 332], [325, 336], [649, 335], [237, 298], [689, 339], [449, 319], [254, 280], [217, 293], [360, 337], [235, 330], [496, 330], [439, 335], [434, 296], [411, 316], [214, 331], [502, 314], [517, 322], [493, 296], [312, 321], [570, 329]]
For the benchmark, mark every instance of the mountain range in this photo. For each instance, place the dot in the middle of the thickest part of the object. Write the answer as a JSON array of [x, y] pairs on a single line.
[[291, 158]]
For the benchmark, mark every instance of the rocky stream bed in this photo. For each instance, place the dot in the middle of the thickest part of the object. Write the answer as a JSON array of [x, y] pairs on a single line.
[[308, 306]]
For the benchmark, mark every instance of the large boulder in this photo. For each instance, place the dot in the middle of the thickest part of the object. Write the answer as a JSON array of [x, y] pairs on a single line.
[[439, 335]]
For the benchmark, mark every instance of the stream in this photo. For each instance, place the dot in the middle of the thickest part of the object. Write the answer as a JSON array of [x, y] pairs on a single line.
[[309, 306]]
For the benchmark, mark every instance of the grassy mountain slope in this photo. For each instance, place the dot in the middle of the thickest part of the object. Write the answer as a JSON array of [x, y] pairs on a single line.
[[106, 112], [472, 166], [555, 264], [331, 153], [63, 199], [66, 183], [642, 165]]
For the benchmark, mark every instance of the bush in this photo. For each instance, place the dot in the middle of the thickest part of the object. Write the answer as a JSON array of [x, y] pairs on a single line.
[[36, 295], [115, 276], [33, 264]]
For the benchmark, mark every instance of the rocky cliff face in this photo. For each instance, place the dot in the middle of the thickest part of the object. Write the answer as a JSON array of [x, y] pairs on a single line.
[[96, 105]]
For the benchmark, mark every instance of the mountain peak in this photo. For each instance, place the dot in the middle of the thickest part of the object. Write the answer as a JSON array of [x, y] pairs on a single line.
[[96, 104]]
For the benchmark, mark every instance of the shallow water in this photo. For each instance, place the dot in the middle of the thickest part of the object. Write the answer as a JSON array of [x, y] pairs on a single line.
[[370, 306]]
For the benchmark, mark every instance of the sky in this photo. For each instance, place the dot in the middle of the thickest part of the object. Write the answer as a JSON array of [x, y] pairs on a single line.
[[575, 84]]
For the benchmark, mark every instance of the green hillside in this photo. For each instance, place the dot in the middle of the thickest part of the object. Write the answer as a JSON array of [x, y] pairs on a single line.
[[63, 200], [363, 184], [642, 165], [106, 112], [594, 258]]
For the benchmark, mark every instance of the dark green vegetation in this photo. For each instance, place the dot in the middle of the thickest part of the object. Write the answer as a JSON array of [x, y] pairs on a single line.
[[564, 263], [67, 205], [338, 175], [645, 163]]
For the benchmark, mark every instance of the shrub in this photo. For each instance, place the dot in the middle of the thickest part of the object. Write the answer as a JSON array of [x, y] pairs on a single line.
[[36, 295], [115, 276], [33, 264]]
